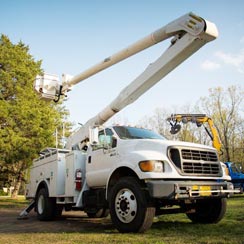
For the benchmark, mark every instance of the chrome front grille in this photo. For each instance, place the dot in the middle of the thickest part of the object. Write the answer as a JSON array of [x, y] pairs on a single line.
[[191, 161], [200, 168], [190, 154]]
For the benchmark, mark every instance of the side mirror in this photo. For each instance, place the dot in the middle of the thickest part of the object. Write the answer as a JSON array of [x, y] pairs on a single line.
[[93, 136]]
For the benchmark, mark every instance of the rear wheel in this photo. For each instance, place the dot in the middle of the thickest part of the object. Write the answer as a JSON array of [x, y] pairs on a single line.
[[208, 211], [129, 209], [45, 206]]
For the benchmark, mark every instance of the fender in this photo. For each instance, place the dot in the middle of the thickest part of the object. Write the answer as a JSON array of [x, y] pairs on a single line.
[[116, 174], [42, 184]]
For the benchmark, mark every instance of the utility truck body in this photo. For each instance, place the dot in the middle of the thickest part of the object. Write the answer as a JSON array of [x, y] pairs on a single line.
[[131, 173]]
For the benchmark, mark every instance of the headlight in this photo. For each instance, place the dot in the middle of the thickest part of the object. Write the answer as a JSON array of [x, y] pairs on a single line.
[[151, 166], [225, 169]]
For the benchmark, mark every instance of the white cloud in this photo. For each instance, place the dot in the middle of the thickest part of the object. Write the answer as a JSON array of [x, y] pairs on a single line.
[[210, 65], [236, 60]]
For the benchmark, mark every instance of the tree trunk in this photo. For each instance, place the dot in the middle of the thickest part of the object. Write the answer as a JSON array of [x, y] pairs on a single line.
[[17, 185]]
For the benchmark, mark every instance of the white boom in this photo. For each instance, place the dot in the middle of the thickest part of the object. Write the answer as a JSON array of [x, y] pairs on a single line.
[[190, 33]]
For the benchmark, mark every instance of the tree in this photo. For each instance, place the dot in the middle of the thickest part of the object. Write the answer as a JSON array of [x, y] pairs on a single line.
[[158, 122], [224, 106], [27, 124]]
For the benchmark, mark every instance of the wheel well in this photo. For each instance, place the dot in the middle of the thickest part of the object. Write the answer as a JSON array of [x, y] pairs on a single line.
[[41, 185], [117, 174]]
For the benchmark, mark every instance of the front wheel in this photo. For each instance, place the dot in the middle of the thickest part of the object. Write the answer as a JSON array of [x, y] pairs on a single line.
[[129, 208], [242, 189], [208, 211]]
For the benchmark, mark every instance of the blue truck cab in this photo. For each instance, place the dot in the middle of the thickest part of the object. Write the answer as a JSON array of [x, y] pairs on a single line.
[[237, 175]]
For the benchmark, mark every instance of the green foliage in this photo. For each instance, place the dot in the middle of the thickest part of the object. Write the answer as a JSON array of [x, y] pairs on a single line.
[[2, 193], [27, 124], [8, 203]]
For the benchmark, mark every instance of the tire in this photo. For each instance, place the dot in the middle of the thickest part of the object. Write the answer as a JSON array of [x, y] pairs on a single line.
[[208, 211], [129, 209], [241, 189], [45, 206], [101, 213]]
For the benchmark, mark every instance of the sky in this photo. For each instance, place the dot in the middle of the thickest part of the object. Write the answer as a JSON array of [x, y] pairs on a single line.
[[70, 36]]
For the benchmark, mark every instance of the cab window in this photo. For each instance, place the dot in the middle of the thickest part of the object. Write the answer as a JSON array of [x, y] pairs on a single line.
[[105, 137]]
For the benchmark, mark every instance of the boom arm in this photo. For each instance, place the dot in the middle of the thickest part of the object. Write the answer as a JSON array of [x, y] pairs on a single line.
[[199, 119], [189, 33]]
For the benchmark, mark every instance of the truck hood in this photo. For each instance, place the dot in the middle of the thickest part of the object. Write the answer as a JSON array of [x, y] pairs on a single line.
[[156, 144], [154, 148], [133, 151]]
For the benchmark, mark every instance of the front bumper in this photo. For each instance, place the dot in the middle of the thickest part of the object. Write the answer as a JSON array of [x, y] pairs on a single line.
[[189, 189]]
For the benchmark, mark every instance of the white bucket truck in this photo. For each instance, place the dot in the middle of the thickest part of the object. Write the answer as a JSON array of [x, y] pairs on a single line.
[[131, 173]]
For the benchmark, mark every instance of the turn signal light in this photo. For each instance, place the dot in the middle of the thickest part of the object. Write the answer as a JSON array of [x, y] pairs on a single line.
[[151, 166]]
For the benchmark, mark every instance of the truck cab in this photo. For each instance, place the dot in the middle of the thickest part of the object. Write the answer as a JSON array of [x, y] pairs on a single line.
[[149, 156], [236, 174], [117, 146]]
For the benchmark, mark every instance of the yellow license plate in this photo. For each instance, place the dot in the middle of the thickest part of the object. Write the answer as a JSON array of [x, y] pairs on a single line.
[[205, 190]]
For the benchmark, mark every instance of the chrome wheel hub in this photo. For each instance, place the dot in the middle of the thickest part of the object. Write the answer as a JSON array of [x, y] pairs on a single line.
[[125, 205], [40, 204]]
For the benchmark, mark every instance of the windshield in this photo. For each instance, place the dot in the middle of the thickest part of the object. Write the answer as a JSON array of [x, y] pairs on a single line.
[[236, 168], [125, 132]]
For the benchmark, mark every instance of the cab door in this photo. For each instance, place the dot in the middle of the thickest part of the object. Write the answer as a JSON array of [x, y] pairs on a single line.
[[102, 159]]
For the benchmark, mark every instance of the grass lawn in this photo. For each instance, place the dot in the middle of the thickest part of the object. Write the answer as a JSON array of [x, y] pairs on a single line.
[[170, 229]]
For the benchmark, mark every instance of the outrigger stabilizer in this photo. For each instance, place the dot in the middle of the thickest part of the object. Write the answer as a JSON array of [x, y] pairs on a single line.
[[25, 212]]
